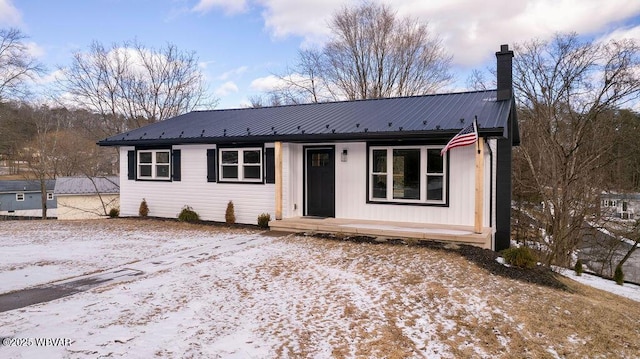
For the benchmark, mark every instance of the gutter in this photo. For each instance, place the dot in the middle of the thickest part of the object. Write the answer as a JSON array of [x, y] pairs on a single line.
[[443, 136]]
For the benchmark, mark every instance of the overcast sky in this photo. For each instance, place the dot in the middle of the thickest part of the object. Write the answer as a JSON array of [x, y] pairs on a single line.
[[241, 43]]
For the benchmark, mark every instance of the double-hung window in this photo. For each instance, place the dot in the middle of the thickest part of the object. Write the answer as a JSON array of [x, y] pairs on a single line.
[[154, 164], [240, 164], [407, 174], [19, 197]]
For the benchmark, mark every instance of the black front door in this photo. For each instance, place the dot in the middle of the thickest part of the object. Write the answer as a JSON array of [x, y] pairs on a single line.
[[320, 182]]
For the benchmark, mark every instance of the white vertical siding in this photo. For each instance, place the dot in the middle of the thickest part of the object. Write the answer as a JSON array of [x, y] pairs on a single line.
[[351, 195], [292, 168], [166, 199], [208, 199]]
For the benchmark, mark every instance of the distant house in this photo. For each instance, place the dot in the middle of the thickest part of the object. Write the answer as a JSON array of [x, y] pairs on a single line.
[[24, 198], [86, 198], [357, 165], [620, 205]]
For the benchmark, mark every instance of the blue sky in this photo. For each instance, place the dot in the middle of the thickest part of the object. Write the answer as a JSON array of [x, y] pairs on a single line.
[[241, 43]]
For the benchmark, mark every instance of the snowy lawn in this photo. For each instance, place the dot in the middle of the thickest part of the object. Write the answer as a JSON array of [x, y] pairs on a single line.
[[211, 292]]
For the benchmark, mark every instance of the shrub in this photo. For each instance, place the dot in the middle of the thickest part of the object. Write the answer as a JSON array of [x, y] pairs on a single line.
[[143, 211], [188, 215], [114, 212], [229, 214], [578, 267], [521, 257], [263, 220], [618, 275]]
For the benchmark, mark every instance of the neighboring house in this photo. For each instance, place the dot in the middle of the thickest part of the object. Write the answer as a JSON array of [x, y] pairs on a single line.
[[362, 160], [620, 205], [86, 198], [24, 198]]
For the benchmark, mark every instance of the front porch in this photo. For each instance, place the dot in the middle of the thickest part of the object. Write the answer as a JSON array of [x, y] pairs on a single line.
[[386, 229]]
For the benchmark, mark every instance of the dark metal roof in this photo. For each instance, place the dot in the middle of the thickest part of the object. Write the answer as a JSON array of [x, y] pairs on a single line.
[[431, 116], [13, 186]]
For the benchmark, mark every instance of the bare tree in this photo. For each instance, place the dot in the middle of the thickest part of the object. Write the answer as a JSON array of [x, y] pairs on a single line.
[[131, 85], [567, 90], [40, 154], [17, 65], [372, 53]]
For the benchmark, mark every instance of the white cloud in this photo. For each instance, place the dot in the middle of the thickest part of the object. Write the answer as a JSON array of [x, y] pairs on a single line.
[[623, 33], [266, 84], [233, 73], [307, 19], [205, 64], [9, 14], [35, 50], [471, 30], [226, 88], [230, 7]]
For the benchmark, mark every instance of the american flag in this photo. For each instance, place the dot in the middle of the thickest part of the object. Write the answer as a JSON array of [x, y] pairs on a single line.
[[468, 136]]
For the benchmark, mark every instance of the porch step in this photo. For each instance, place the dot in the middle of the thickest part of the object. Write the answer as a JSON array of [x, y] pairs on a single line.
[[420, 231]]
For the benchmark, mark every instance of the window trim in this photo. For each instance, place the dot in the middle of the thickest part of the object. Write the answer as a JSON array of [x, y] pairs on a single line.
[[20, 197], [154, 164], [423, 201], [49, 196], [241, 165]]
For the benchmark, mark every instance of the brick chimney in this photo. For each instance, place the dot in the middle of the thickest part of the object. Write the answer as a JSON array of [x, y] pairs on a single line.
[[504, 73]]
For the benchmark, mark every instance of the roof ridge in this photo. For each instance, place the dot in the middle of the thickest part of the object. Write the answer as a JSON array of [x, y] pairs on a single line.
[[347, 101]]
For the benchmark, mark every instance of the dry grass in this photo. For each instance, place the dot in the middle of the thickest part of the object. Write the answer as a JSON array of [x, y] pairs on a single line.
[[316, 297], [474, 313]]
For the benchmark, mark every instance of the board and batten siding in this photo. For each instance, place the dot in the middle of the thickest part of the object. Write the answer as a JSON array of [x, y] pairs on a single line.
[[292, 174], [351, 188], [208, 199]]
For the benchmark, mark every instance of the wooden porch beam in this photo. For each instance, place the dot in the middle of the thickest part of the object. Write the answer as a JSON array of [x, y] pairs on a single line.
[[278, 160], [479, 201]]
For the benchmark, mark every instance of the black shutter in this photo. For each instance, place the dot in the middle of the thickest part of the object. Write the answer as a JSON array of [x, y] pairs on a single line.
[[211, 165], [270, 165], [131, 157], [175, 165]]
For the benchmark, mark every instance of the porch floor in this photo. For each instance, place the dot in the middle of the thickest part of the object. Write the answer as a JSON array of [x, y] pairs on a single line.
[[385, 229]]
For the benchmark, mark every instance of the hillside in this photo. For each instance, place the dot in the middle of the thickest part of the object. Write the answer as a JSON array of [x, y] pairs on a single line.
[[210, 291]]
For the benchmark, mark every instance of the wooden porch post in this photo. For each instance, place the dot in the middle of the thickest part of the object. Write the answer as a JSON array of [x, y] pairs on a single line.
[[278, 160], [479, 185]]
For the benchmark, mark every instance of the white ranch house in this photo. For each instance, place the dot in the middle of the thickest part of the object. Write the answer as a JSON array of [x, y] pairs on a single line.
[[352, 166]]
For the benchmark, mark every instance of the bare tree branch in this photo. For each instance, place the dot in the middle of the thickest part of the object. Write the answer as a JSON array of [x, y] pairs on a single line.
[[17, 65], [131, 85]]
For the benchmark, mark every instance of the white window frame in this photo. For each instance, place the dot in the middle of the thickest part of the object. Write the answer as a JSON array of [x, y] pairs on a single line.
[[154, 165], [19, 197], [423, 175], [49, 196], [240, 165]]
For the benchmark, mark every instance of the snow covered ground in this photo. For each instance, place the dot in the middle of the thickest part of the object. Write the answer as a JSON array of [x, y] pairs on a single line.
[[630, 291], [212, 293]]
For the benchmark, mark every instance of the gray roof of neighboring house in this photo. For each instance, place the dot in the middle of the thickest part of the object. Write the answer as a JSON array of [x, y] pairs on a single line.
[[13, 186], [633, 196], [86, 185], [429, 116]]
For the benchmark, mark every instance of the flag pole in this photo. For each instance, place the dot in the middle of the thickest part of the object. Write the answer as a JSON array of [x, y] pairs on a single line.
[[479, 195]]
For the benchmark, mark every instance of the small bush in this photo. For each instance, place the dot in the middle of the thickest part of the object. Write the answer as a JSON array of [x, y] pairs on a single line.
[[114, 212], [618, 275], [521, 257], [188, 215], [578, 267], [263, 220], [229, 214], [143, 211]]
